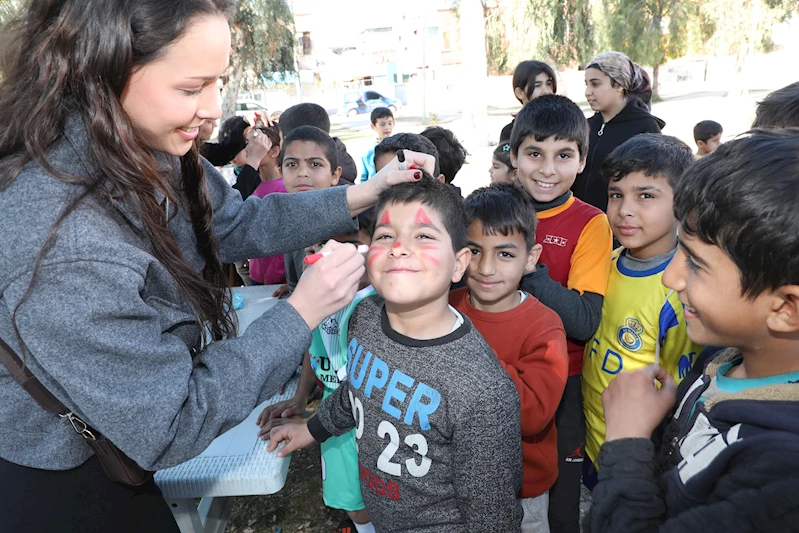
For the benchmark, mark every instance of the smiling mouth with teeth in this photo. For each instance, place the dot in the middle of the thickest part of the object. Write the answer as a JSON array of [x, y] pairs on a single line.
[[544, 185]]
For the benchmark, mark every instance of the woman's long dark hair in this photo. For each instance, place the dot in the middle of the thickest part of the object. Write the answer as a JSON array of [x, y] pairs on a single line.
[[67, 56]]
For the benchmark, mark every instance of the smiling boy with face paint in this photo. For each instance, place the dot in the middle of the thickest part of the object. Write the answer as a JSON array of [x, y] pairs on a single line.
[[436, 418]]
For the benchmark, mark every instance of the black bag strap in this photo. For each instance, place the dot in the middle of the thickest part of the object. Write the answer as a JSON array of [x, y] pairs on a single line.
[[28, 381]]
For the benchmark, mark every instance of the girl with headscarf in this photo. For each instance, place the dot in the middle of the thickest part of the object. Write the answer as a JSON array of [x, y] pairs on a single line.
[[619, 92]]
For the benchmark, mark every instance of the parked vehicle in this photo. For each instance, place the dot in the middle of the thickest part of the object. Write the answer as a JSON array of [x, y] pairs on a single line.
[[250, 110], [358, 102]]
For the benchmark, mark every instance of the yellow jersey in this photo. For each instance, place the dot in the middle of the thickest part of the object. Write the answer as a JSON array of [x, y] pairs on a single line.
[[642, 323]]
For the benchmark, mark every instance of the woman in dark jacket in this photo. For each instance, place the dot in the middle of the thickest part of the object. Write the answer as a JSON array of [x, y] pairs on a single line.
[[619, 92]]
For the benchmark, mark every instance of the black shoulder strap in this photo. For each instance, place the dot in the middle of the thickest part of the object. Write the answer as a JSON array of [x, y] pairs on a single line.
[[28, 381]]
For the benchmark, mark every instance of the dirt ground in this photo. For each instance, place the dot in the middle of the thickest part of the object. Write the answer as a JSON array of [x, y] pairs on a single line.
[[297, 507]]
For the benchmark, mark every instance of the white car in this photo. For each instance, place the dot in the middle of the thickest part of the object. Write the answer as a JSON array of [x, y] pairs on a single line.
[[250, 110]]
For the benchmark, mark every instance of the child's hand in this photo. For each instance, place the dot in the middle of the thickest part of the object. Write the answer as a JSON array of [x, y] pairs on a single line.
[[281, 291], [634, 406], [296, 436], [287, 408], [267, 428]]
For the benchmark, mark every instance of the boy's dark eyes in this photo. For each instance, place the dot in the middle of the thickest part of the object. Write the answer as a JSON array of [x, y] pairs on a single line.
[[614, 196], [383, 237], [475, 251], [564, 156], [690, 263], [506, 255], [423, 236]]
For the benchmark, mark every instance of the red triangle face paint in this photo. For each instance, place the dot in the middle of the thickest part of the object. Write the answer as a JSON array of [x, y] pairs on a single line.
[[422, 218], [385, 218]]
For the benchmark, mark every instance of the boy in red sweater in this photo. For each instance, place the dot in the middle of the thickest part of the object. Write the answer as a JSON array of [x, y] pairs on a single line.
[[549, 145], [527, 336]]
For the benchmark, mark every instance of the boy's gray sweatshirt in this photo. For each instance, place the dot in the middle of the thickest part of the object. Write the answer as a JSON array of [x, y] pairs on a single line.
[[437, 428], [106, 329]]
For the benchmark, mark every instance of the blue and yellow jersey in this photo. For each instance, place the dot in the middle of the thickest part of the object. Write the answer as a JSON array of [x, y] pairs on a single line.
[[642, 323]]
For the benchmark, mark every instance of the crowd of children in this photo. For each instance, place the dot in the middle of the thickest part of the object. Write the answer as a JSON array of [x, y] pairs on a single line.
[[500, 355]]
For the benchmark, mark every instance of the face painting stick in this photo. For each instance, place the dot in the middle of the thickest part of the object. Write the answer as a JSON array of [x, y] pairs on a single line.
[[401, 159], [313, 258]]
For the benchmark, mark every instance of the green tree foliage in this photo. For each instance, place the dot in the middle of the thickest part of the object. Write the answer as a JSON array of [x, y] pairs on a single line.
[[8, 9], [262, 43], [557, 31], [651, 31], [569, 38]]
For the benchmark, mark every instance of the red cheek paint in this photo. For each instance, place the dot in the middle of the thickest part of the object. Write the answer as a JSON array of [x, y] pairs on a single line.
[[422, 218], [431, 259], [397, 245], [385, 218], [374, 255]]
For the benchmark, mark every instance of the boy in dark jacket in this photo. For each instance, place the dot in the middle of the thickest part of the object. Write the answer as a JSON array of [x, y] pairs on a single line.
[[729, 458]]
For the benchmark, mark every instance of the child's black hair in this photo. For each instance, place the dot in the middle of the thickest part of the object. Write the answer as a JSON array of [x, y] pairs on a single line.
[[305, 114], [548, 116], [780, 109], [316, 136], [231, 136], [381, 112], [706, 129], [366, 220], [440, 197], [651, 153], [744, 198], [502, 154], [451, 153], [503, 208], [408, 141], [524, 76]]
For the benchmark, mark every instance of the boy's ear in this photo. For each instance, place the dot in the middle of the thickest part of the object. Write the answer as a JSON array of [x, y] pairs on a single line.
[[583, 160], [374, 127], [441, 178], [518, 92], [462, 260], [784, 314], [513, 160], [532, 257], [336, 176]]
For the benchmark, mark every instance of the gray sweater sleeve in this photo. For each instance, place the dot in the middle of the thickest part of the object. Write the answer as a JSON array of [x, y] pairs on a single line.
[[334, 416], [277, 223], [101, 347], [580, 313], [490, 452]]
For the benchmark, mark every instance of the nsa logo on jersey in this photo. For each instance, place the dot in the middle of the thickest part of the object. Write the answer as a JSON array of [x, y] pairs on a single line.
[[330, 326], [630, 334]]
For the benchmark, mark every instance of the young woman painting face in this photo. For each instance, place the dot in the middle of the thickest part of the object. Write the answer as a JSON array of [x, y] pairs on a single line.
[[168, 99]]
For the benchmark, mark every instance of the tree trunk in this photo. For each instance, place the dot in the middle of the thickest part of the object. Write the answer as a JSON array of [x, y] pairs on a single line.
[[230, 93], [655, 81]]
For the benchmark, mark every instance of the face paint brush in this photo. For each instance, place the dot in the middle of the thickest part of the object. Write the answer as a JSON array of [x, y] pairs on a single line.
[[313, 258]]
